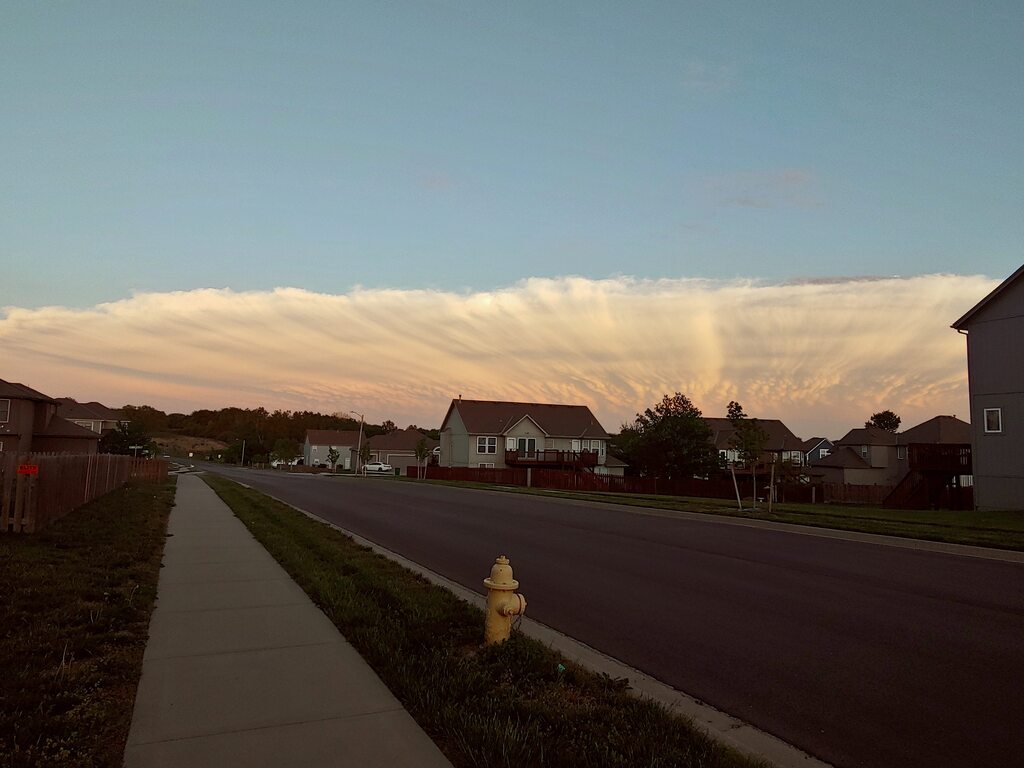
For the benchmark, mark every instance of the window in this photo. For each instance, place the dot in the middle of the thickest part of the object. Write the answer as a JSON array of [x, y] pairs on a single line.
[[485, 465], [487, 445], [901, 452], [993, 420], [5, 410], [864, 451], [823, 452]]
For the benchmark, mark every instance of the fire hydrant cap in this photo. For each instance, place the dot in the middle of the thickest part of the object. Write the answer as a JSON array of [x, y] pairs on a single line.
[[501, 575]]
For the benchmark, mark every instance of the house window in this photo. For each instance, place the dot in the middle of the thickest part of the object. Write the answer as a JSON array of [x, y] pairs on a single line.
[[864, 451], [5, 410], [901, 452], [487, 445], [485, 465], [823, 452], [993, 420]]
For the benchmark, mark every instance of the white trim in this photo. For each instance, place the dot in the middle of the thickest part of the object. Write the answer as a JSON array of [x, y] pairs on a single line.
[[999, 419], [485, 465], [527, 416], [7, 413], [490, 444]]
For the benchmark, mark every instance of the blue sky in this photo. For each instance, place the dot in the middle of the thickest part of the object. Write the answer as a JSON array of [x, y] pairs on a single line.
[[154, 147]]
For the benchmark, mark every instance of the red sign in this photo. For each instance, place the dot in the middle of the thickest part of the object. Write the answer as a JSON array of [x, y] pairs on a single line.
[[28, 469]]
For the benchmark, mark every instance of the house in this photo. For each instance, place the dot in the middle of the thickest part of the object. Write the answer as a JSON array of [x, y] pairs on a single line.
[[29, 424], [319, 442], [496, 434], [816, 449], [613, 467], [931, 451], [781, 445], [995, 372], [94, 416], [398, 448]]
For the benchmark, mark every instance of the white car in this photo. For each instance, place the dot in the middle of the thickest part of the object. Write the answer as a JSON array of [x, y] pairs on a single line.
[[377, 466]]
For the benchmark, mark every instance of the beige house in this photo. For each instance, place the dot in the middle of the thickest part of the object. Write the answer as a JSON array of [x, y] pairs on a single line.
[[495, 434], [398, 448]]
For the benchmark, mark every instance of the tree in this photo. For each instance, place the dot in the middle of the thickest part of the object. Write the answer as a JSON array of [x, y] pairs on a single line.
[[364, 454], [749, 439], [422, 452], [121, 439], [285, 450], [670, 440], [332, 456], [886, 420], [388, 426]]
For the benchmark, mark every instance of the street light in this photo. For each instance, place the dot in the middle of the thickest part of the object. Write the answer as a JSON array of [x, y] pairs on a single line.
[[359, 446]]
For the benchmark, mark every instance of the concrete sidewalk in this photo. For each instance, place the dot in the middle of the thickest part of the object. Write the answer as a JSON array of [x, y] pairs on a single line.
[[241, 669]]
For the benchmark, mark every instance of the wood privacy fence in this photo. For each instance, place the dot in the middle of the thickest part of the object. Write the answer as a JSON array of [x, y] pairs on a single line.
[[40, 488], [715, 488]]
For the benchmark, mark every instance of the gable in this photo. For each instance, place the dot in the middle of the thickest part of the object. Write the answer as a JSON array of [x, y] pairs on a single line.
[[1004, 302]]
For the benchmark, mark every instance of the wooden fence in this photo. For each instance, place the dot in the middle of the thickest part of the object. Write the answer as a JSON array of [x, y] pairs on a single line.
[[714, 488], [39, 488]]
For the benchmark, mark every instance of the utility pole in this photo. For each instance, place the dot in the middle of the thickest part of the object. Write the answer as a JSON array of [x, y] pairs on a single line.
[[243, 453]]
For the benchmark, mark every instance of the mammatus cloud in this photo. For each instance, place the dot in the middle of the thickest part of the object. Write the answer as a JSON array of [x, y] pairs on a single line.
[[821, 356]]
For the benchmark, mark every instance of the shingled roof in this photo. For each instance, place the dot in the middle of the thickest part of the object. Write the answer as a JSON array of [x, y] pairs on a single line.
[[939, 430], [868, 436], [9, 389], [779, 436], [845, 458], [69, 408], [491, 417], [400, 440], [333, 436]]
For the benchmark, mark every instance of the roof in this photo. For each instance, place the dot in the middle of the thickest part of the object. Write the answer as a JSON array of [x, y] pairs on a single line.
[[779, 436], [69, 408], [614, 462], [868, 436], [996, 292], [400, 440], [492, 417], [939, 430], [844, 458], [59, 427], [333, 437], [814, 442], [14, 391]]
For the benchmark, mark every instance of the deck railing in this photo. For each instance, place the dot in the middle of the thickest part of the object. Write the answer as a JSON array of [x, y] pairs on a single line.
[[541, 458]]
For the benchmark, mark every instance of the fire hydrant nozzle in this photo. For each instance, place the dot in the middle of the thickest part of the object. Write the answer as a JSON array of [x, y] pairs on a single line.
[[502, 602]]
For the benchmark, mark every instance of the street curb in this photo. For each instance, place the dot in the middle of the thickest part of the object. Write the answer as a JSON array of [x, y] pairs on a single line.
[[735, 733]]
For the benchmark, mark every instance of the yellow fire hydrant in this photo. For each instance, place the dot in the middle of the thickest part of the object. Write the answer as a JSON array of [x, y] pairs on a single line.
[[502, 602]]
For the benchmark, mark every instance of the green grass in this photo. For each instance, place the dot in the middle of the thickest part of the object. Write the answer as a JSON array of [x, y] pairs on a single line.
[[75, 601], [516, 704], [1001, 530]]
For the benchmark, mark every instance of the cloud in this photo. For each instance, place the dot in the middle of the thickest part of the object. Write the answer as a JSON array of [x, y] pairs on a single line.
[[820, 355]]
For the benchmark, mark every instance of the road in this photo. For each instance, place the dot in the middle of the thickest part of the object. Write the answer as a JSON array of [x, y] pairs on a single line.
[[860, 654]]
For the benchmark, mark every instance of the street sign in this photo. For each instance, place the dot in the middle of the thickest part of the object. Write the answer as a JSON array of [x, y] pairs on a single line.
[[28, 469]]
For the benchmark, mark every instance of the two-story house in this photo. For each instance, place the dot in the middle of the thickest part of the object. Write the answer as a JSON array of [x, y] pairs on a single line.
[[995, 372], [781, 444], [29, 424], [495, 434], [317, 447], [92, 415]]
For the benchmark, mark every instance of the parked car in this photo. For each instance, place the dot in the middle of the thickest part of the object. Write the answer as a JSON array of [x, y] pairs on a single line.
[[377, 466]]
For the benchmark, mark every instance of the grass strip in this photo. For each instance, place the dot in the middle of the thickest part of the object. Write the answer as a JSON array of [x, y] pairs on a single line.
[[515, 704], [1000, 530], [75, 603]]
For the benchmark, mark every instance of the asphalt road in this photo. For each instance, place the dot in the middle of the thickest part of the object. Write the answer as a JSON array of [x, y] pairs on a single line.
[[860, 654]]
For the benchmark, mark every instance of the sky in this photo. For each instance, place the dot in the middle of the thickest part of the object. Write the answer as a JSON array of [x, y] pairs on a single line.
[[380, 206]]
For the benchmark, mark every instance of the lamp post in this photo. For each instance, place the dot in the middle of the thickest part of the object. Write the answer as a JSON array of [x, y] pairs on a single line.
[[359, 446]]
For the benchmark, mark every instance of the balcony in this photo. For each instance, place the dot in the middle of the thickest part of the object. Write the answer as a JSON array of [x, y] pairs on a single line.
[[951, 458], [574, 459]]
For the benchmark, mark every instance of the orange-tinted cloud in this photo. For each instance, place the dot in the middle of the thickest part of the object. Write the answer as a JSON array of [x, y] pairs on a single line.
[[820, 355]]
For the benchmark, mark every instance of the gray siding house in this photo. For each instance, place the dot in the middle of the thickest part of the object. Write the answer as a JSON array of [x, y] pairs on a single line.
[[995, 368]]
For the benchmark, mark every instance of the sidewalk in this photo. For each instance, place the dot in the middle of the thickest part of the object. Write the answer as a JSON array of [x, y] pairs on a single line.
[[241, 669]]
